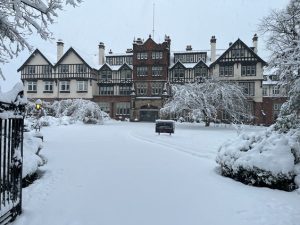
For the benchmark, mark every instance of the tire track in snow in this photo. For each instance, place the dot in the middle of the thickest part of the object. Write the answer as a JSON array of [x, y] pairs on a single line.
[[173, 147]]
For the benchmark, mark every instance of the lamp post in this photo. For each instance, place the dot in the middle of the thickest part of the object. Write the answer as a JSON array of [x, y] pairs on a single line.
[[38, 107]]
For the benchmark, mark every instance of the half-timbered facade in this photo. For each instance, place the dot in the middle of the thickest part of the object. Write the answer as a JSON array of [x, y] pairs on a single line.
[[134, 84], [181, 73], [70, 77], [241, 64], [114, 89]]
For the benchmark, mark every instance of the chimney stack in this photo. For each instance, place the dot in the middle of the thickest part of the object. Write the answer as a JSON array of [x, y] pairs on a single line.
[[101, 53], [213, 47], [60, 49], [189, 48], [254, 39]]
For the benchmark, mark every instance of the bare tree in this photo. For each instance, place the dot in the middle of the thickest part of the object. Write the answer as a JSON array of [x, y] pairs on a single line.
[[21, 18], [205, 100], [282, 30]]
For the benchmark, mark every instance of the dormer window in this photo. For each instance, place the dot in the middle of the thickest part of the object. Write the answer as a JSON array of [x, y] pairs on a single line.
[[105, 75], [125, 74], [179, 73]]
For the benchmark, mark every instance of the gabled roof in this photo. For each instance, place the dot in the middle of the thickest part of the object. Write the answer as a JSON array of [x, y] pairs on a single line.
[[115, 67], [105, 65], [36, 51], [177, 63], [188, 65], [245, 46], [126, 65], [201, 62], [71, 49]]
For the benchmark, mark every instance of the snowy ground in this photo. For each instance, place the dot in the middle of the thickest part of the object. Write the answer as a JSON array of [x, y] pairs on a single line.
[[124, 174]]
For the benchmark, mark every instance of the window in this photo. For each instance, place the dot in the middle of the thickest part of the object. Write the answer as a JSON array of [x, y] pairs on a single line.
[[275, 90], [237, 53], [123, 108], [141, 88], [157, 88], [63, 68], [31, 86], [64, 86], [48, 87], [104, 106], [249, 70], [179, 73], [80, 68], [265, 91], [82, 86], [157, 71], [157, 55], [142, 55], [105, 75], [226, 71], [106, 90], [276, 109], [248, 88], [125, 74], [31, 69], [46, 69], [109, 61], [125, 90], [201, 72], [142, 71]]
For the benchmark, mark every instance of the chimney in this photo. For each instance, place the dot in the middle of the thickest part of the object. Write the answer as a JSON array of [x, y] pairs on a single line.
[[101, 53], [254, 39], [60, 49], [213, 45], [129, 50], [189, 48], [230, 43], [139, 41]]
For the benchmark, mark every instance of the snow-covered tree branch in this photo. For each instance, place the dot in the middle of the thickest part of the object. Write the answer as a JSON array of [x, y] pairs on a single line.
[[282, 29], [21, 18], [206, 100]]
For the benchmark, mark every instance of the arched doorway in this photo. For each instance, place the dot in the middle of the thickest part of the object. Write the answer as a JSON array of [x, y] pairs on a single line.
[[148, 113]]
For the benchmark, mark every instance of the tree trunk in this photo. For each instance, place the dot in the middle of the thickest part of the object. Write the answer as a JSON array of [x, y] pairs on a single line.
[[207, 122]]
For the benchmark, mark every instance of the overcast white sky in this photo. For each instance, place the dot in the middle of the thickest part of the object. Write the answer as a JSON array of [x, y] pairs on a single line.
[[117, 22]]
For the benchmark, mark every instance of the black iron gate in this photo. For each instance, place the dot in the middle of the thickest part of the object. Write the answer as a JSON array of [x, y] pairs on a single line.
[[11, 156]]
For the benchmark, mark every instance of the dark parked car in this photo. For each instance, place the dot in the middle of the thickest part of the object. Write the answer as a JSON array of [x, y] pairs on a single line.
[[164, 126]]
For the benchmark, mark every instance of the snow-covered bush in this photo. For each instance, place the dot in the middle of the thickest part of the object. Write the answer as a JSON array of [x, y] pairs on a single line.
[[269, 158], [69, 111], [31, 159]]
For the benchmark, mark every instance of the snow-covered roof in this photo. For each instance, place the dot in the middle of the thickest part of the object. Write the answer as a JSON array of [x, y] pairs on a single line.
[[120, 54], [90, 59], [189, 65], [114, 67], [10, 96], [269, 81]]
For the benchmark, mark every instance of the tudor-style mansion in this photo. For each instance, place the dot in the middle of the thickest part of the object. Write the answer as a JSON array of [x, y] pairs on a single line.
[[135, 84]]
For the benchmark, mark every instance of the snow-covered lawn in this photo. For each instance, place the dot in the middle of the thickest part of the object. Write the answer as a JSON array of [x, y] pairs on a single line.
[[124, 174]]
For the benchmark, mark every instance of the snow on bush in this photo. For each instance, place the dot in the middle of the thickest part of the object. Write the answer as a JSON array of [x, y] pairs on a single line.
[[69, 111], [31, 160], [270, 158]]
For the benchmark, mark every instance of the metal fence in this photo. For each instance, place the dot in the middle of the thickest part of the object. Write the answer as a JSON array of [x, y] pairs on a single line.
[[11, 156]]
